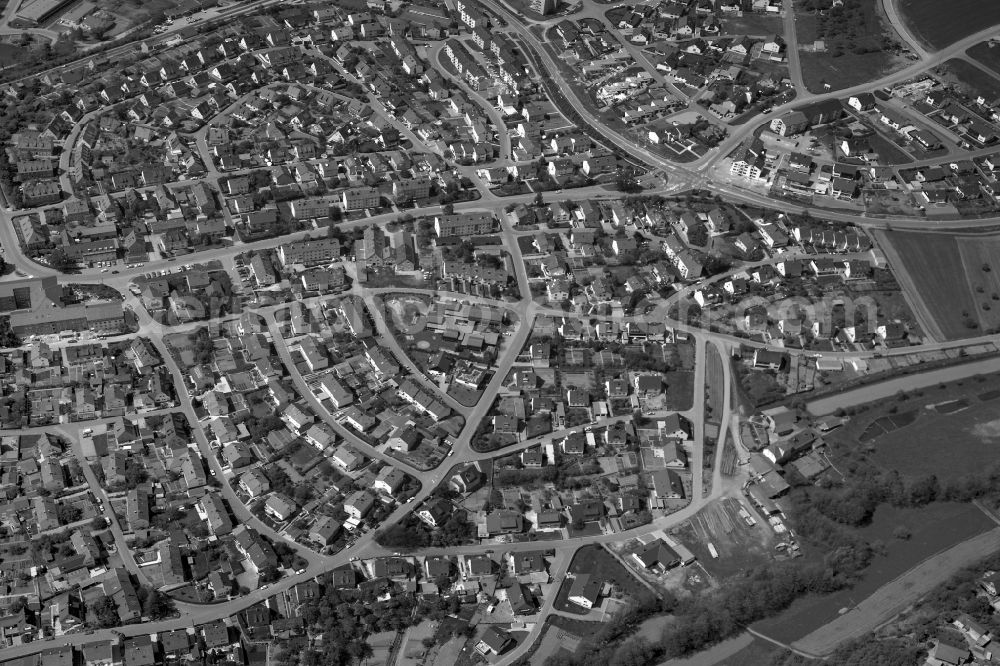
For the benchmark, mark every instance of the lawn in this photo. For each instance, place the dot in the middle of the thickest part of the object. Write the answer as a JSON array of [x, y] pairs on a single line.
[[933, 528], [889, 153], [975, 80], [680, 390], [939, 24], [715, 380], [985, 54], [947, 445], [932, 265]]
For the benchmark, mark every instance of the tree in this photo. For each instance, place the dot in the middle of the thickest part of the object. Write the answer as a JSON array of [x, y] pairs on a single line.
[[61, 261], [105, 610], [157, 605], [448, 209], [269, 574], [67, 513], [7, 336], [539, 199]]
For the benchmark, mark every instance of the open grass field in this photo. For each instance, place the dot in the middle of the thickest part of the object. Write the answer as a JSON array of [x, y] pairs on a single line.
[[934, 528], [986, 55], [973, 79], [715, 380], [753, 24], [939, 24], [820, 70], [756, 651], [943, 276], [839, 66], [947, 445], [680, 390]]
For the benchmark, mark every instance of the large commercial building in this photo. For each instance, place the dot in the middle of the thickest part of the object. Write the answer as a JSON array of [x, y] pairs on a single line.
[[36, 307], [39, 11]]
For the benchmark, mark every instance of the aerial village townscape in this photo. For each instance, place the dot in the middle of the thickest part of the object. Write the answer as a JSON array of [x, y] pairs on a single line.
[[510, 332]]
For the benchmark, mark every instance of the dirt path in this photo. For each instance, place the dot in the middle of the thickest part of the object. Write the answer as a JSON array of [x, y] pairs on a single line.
[[894, 597]]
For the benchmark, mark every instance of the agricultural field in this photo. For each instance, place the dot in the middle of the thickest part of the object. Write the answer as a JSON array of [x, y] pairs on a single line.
[[950, 281], [931, 529], [985, 54], [938, 24], [974, 80]]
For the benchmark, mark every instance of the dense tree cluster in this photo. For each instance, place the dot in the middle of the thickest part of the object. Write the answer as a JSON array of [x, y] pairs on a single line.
[[155, 604], [411, 533], [345, 618], [105, 611], [68, 513], [824, 517]]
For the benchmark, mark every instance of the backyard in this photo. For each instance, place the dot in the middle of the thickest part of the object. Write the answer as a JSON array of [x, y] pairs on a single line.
[[598, 562]]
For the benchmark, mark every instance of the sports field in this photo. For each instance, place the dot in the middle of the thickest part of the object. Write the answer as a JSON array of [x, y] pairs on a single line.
[[939, 23]]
